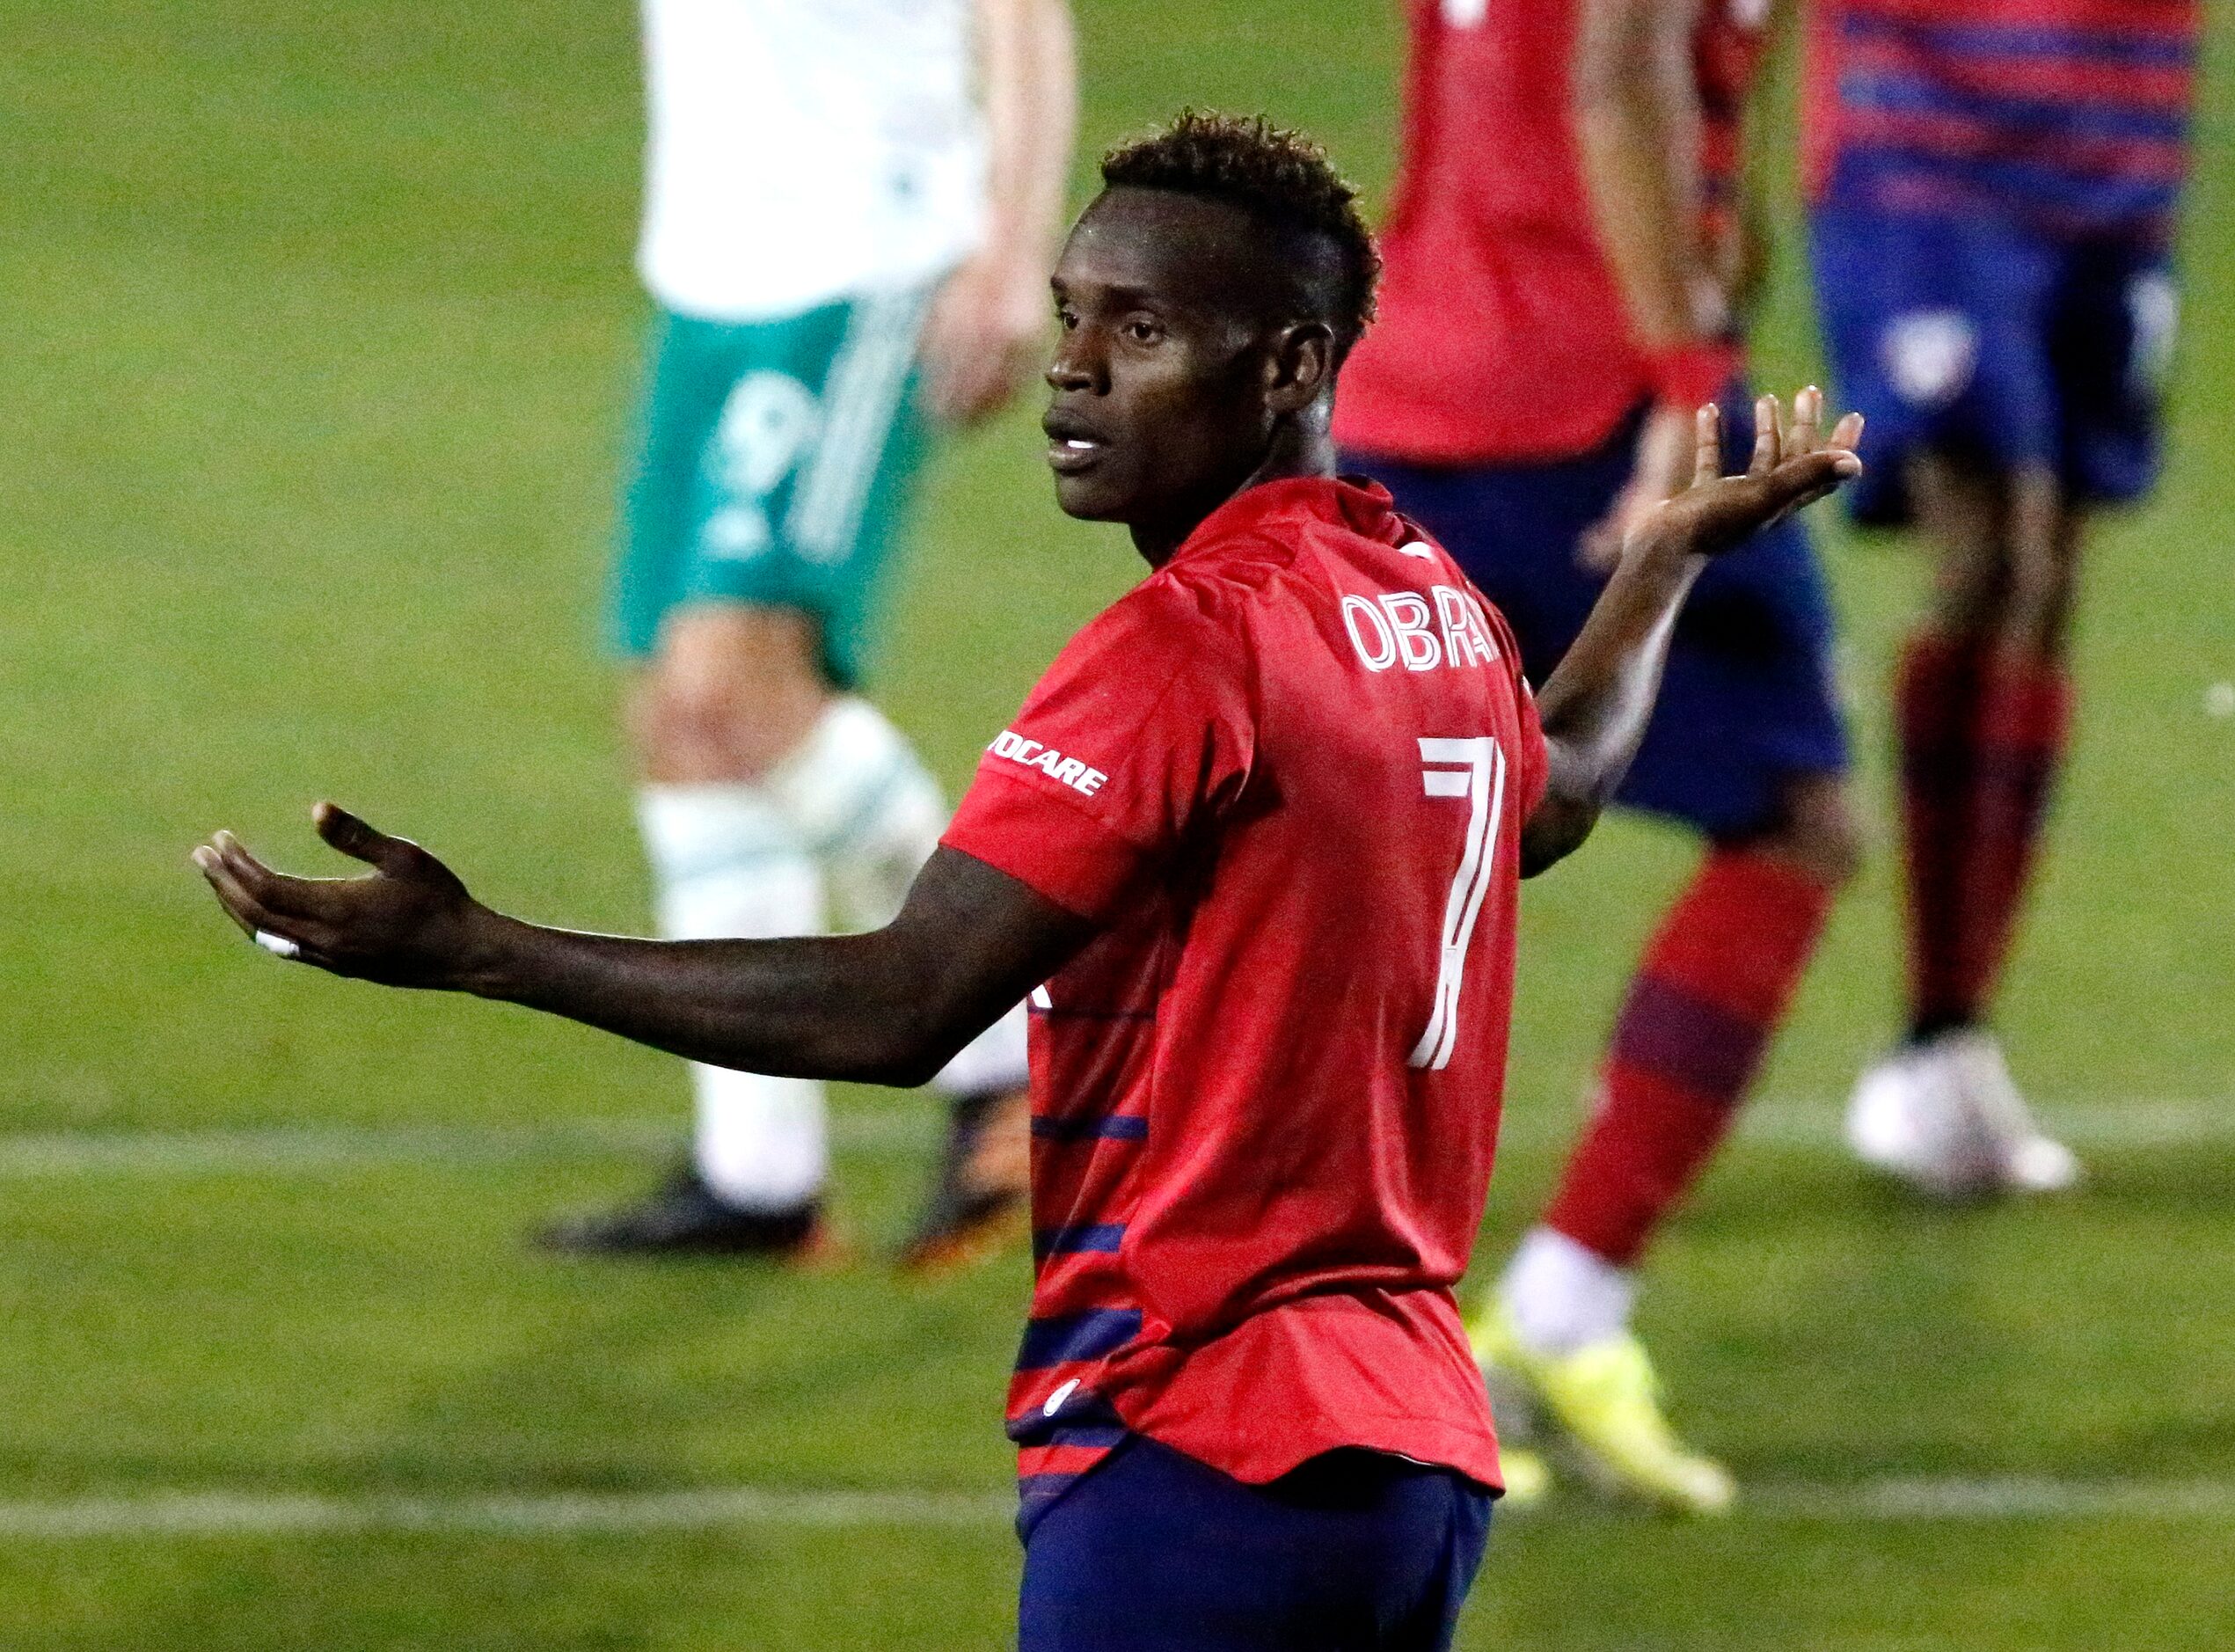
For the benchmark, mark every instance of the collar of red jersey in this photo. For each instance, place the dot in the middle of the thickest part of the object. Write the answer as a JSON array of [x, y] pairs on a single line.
[[1354, 503]]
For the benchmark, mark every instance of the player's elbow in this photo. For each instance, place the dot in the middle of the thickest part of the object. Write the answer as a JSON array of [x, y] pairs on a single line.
[[1583, 768], [902, 1049], [1580, 775], [910, 1038], [901, 1069], [1556, 831]]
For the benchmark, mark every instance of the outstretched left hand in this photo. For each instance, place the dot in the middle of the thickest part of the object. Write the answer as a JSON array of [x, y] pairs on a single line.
[[410, 923], [1792, 467]]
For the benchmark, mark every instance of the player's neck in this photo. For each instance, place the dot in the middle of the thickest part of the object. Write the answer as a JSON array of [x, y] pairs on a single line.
[[1300, 447]]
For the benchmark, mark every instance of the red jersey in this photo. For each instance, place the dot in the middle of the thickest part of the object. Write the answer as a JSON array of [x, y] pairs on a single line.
[[1288, 773], [2072, 116], [1503, 336]]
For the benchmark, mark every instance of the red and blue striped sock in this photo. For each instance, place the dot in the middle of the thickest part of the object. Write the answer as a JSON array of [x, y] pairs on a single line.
[[1714, 985], [2023, 724], [1936, 705]]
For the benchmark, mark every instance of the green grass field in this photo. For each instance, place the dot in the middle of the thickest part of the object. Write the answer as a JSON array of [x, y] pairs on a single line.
[[320, 343]]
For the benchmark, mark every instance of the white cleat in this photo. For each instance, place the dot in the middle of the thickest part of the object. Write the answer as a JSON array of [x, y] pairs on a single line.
[[2031, 1161], [1945, 1117], [1907, 1119]]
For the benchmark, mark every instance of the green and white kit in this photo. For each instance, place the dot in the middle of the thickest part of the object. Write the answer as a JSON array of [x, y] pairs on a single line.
[[776, 466], [814, 168]]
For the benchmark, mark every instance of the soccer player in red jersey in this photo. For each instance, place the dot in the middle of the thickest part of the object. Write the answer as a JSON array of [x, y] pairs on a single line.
[[1251, 848], [1569, 265], [1992, 187]]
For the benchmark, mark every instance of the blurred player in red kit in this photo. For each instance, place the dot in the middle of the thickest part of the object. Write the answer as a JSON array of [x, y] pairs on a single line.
[[1569, 269], [1252, 849], [1992, 187]]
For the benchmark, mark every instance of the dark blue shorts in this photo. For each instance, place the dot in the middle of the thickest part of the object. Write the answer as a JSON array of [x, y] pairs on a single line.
[[1748, 701], [1993, 342], [1154, 1551]]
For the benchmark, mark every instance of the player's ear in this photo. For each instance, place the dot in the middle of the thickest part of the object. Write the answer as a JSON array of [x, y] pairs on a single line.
[[1300, 365]]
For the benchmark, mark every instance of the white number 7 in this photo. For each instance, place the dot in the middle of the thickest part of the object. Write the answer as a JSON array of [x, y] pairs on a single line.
[[1476, 771]]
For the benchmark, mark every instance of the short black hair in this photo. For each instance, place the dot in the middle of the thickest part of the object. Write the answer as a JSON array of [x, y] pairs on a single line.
[[1277, 175]]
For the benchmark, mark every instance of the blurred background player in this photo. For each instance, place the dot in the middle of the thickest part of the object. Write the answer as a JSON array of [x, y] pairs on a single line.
[[1993, 185], [1569, 267], [849, 214]]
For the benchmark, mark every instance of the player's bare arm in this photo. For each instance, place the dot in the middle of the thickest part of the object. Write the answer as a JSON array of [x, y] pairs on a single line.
[[1196, 360], [886, 1007], [1637, 134], [1597, 703], [985, 330]]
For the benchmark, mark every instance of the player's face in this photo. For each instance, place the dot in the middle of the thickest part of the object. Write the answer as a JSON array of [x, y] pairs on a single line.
[[1158, 410]]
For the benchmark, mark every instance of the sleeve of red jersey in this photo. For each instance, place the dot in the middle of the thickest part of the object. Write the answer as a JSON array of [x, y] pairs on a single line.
[[1137, 738]]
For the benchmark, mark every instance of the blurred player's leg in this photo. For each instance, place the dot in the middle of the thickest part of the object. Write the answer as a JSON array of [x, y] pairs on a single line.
[[2006, 331], [778, 466], [856, 793], [732, 686], [2010, 365], [1708, 998], [1709, 995], [737, 656], [872, 813], [1982, 705]]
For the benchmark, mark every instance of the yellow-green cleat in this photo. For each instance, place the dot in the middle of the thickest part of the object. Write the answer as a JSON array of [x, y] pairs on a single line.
[[1608, 1402]]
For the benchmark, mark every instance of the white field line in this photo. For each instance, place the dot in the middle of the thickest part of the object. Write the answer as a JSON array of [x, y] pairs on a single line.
[[314, 1147], [283, 1149], [160, 1515], [2012, 1498], [249, 1514], [2112, 1124]]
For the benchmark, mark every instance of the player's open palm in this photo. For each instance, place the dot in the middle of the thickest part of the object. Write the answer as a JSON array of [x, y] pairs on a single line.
[[1792, 467], [410, 924]]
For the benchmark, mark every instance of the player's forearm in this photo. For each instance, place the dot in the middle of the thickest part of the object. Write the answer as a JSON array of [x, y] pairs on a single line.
[[1637, 113], [1031, 96], [887, 1007], [1599, 699], [890, 1006], [848, 1007]]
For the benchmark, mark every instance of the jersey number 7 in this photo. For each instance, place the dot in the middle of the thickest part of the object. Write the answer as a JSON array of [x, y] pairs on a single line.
[[1473, 769]]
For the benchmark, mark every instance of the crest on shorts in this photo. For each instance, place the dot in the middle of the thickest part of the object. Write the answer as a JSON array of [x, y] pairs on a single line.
[[1929, 355], [2153, 310]]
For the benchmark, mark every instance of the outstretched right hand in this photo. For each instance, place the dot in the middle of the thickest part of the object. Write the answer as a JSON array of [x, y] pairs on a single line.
[[1792, 467], [410, 924]]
